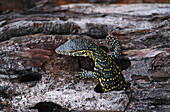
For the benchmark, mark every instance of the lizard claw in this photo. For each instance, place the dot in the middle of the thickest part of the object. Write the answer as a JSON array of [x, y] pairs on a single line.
[[79, 75]]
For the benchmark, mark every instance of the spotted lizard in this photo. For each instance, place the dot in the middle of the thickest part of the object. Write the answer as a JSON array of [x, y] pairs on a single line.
[[106, 70]]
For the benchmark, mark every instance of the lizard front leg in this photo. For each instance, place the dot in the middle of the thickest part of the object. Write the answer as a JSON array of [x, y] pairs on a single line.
[[87, 74], [115, 44]]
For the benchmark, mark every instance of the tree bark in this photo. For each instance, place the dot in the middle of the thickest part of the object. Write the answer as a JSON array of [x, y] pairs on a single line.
[[32, 73]]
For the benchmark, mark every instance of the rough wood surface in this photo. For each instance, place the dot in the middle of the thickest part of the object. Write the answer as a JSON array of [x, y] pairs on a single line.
[[31, 72], [12, 5]]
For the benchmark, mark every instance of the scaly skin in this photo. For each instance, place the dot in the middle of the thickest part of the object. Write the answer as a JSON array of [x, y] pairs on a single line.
[[106, 70]]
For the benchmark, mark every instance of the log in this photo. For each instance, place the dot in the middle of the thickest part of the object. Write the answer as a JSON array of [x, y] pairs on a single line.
[[33, 76]]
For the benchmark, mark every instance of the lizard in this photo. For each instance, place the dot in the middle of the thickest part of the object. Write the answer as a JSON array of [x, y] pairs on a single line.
[[106, 70]]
